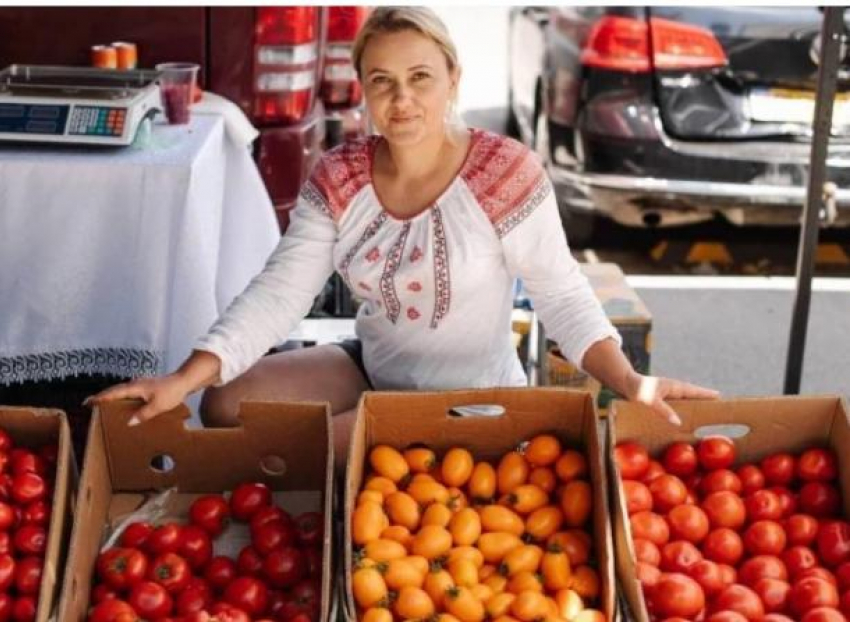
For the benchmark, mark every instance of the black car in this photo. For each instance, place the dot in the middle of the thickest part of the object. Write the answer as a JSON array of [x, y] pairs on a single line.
[[657, 116]]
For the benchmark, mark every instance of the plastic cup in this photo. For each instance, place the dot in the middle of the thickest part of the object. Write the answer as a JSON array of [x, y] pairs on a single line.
[[177, 84]]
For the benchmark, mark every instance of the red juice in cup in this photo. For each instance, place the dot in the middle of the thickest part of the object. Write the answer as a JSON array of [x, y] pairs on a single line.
[[177, 83]]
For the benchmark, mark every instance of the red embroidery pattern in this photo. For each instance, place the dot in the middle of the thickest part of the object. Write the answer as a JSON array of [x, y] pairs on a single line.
[[506, 179], [368, 234], [412, 313], [415, 286], [415, 254], [341, 173], [312, 197], [442, 294], [388, 290], [373, 255]]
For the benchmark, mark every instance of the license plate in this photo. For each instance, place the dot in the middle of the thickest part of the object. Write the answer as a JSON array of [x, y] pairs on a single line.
[[794, 106]]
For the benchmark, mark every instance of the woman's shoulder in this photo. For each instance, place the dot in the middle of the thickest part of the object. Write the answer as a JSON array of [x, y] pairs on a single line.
[[505, 177], [342, 172]]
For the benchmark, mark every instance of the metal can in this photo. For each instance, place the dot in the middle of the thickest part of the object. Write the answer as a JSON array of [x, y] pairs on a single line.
[[104, 56], [127, 54]]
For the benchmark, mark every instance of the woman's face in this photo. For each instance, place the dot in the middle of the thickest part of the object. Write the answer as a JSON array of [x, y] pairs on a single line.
[[407, 85]]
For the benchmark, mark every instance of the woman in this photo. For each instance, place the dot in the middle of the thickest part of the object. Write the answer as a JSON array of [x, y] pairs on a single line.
[[429, 224]]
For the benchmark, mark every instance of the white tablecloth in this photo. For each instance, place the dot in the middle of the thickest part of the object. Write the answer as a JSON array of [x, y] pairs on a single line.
[[115, 261]]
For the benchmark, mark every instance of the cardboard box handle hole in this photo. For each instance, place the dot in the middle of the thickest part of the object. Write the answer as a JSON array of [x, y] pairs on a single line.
[[477, 410], [273, 465], [162, 463], [729, 430]]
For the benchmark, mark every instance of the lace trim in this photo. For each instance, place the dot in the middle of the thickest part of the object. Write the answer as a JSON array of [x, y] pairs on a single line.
[[124, 362]]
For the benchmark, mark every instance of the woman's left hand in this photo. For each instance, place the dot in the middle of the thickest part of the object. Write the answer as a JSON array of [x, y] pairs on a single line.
[[653, 391]]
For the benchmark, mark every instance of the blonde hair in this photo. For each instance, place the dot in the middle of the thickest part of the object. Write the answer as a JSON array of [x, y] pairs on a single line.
[[389, 19]]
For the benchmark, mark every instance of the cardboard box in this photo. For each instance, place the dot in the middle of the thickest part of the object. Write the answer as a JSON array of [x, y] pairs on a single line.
[[759, 426], [402, 419], [626, 311], [288, 446], [35, 427]]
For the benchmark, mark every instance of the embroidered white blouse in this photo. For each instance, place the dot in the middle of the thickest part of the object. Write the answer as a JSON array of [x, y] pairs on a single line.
[[436, 288]]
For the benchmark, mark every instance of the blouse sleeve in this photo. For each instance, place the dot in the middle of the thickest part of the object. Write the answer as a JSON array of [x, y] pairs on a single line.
[[278, 298], [536, 250]]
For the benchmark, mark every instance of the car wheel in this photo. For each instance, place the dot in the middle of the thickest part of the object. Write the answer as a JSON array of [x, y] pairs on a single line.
[[512, 124], [580, 228]]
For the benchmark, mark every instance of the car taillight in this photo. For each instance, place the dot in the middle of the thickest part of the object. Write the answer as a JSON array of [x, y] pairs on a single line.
[[629, 44], [340, 86], [286, 55]]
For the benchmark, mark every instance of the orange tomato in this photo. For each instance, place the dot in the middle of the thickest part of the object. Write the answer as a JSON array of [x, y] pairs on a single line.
[[486, 571], [445, 617], [431, 542], [525, 498], [467, 552], [555, 568], [505, 619], [589, 615], [585, 582], [401, 573], [542, 450], [499, 604], [413, 603], [367, 522], [403, 510], [482, 483], [576, 503], [497, 583], [544, 522], [377, 614], [398, 533], [381, 484], [419, 459], [544, 478], [457, 499], [420, 563], [437, 582], [368, 587], [388, 462], [494, 546], [464, 572], [529, 606], [500, 518], [423, 477], [457, 467], [384, 550], [437, 514], [374, 496], [511, 472], [524, 581], [426, 492], [465, 527], [524, 558], [569, 603], [571, 465], [461, 603], [575, 543], [481, 592]]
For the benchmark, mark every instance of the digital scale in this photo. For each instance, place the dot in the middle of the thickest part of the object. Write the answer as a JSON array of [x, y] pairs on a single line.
[[75, 105]]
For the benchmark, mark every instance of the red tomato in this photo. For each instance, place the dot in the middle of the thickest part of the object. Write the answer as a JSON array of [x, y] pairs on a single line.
[[195, 546], [677, 595], [668, 491], [6, 444], [688, 522], [844, 605], [224, 612], [308, 593], [817, 465], [284, 567], [647, 574], [25, 461], [99, 593], [121, 568], [709, 575], [787, 499], [638, 497], [249, 562], [28, 573], [310, 529], [730, 575], [741, 599], [724, 509], [271, 536], [650, 526], [773, 594], [150, 600], [801, 529], [7, 516], [654, 470], [834, 542], [164, 539], [645, 551], [314, 562], [752, 479], [762, 567], [818, 572], [219, 572], [28, 487], [30, 540], [269, 514], [247, 498], [723, 546], [812, 592], [716, 452], [726, 616], [632, 459], [720, 479], [192, 600], [248, 594], [7, 572], [171, 571], [823, 614], [842, 575], [765, 537], [679, 556], [135, 535], [799, 558], [210, 513], [820, 500], [112, 610], [776, 617], [680, 459], [779, 469], [24, 609], [763, 505], [37, 513]]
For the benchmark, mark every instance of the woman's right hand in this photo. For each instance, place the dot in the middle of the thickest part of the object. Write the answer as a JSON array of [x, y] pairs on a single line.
[[159, 393]]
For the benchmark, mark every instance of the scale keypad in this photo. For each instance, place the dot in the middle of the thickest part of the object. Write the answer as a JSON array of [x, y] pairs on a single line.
[[97, 121]]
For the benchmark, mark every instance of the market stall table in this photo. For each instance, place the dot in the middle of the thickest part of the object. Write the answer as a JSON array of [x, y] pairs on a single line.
[[115, 260]]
